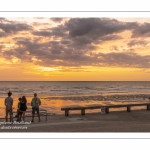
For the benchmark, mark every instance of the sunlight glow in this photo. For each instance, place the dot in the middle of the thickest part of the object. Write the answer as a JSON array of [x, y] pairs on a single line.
[[47, 69]]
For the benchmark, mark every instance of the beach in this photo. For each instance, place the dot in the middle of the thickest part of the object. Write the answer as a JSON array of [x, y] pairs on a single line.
[[116, 121], [55, 95]]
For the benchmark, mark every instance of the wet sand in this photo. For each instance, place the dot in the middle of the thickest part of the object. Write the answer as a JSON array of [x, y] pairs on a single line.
[[54, 104], [117, 121]]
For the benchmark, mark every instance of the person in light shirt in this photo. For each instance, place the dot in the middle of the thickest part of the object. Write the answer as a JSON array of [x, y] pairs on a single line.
[[9, 104], [35, 103]]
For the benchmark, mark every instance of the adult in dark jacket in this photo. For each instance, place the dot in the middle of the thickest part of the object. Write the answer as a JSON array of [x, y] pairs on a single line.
[[23, 106]]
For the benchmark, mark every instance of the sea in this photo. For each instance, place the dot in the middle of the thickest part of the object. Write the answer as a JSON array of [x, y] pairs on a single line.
[[57, 94]]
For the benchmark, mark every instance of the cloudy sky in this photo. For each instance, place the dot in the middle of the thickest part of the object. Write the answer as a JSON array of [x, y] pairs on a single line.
[[75, 49]]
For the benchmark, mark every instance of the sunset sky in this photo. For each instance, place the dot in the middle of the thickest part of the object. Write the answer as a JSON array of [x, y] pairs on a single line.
[[74, 49]]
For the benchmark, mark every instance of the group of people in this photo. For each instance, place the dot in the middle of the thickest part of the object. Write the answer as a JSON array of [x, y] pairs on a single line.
[[22, 107]]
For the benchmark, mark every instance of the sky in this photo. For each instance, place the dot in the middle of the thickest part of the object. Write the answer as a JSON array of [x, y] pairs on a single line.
[[74, 49]]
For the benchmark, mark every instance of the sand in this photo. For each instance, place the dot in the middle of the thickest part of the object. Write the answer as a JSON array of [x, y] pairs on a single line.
[[119, 121]]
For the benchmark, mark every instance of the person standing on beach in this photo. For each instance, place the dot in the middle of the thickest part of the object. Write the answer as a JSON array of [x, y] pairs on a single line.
[[9, 104], [35, 103], [18, 110], [23, 107]]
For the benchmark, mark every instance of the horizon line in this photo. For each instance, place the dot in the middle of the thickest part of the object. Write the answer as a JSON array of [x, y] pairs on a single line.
[[77, 81]]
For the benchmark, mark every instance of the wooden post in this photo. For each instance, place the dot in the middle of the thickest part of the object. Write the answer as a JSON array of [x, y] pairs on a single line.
[[82, 111], [46, 114], [148, 108], [107, 110], [128, 109], [66, 112]]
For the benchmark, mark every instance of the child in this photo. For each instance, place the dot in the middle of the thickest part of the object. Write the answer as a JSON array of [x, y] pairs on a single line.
[[18, 115], [18, 107], [23, 107]]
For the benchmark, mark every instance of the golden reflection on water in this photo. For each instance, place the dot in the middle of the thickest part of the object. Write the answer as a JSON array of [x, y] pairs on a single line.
[[54, 106]]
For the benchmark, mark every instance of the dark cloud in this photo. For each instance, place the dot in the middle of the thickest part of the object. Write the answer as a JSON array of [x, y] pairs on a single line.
[[125, 60], [32, 45], [110, 37], [51, 32], [2, 19], [143, 30], [3, 34], [39, 18], [42, 33], [65, 41], [97, 27], [114, 48], [40, 24], [84, 31], [53, 53], [14, 27], [101, 59], [74, 43], [1, 47], [58, 20], [137, 43], [60, 30]]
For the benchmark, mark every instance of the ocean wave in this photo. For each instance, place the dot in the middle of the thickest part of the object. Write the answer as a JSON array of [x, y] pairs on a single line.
[[100, 97]]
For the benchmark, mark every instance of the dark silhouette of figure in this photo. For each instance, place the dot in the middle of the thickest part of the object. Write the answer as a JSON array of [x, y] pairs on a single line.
[[23, 107], [35, 103], [19, 113], [9, 104]]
